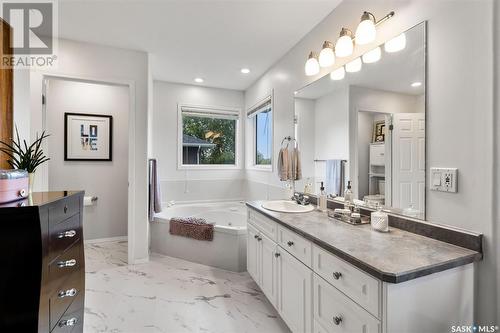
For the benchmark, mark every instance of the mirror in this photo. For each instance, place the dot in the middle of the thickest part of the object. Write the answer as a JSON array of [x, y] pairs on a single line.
[[369, 128]]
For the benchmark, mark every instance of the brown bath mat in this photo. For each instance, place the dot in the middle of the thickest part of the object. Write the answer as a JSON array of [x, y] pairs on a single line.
[[192, 227]]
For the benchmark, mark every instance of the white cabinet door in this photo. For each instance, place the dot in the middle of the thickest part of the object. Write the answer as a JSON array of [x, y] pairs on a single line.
[[295, 293], [253, 253], [268, 269]]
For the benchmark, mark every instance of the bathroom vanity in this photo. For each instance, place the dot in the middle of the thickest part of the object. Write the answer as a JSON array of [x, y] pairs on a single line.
[[325, 276], [42, 285]]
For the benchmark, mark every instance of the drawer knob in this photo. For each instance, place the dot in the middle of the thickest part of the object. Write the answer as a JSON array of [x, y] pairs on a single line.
[[337, 275], [22, 193], [67, 293], [256, 236], [259, 238], [67, 263], [290, 243], [65, 209], [277, 254], [67, 234], [337, 320], [68, 322]]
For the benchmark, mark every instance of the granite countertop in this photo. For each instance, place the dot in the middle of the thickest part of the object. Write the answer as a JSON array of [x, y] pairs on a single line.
[[394, 257]]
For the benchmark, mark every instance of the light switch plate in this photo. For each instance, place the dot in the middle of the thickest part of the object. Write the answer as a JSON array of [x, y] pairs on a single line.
[[444, 179]]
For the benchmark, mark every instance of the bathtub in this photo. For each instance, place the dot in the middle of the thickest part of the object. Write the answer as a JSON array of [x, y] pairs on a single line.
[[228, 248]]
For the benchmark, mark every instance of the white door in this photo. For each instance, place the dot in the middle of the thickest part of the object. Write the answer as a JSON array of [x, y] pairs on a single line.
[[408, 161], [253, 252], [295, 293], [269, 269]]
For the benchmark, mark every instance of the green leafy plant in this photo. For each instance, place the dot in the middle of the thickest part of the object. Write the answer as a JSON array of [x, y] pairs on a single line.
[[23, 156]]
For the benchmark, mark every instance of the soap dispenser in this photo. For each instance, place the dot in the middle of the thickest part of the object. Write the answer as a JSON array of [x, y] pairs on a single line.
[[348, 193], [322, 198]]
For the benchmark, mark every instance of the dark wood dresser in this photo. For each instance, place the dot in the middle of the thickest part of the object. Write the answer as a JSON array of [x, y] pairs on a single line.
[[42, 277]]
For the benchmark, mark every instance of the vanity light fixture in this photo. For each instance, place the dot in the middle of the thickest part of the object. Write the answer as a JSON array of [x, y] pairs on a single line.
[[245, 70], [345, 45], [198, 80], [353, 66], [366, 31], [396, 44], [416, 84], [372, 56], [327, 55], [337, 74], [312, 64]]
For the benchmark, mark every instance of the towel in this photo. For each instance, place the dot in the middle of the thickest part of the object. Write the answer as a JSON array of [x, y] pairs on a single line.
[[333, 177], [192, 227], [154, 190], [284, 170], [296, 167]]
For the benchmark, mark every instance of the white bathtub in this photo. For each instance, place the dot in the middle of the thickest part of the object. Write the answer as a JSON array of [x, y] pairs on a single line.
[[228, 248]]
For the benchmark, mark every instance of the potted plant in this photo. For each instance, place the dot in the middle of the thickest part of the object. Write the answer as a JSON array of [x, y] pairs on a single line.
[[25, 157]]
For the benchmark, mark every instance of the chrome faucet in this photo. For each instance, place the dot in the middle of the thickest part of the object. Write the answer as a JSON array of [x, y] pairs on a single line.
[[301, 199]]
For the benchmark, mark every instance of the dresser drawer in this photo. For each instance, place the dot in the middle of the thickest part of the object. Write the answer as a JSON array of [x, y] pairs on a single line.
[[264, 224], [63, 235], [63, 296], [61, 210], [72, 320], [296, 245], [357, 285], [334, 312], [65, 265]]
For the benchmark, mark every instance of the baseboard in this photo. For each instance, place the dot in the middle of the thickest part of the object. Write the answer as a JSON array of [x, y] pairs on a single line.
[[109, 239]]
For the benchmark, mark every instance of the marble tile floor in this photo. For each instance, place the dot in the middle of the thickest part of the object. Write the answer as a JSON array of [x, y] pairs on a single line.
[[170, 295]]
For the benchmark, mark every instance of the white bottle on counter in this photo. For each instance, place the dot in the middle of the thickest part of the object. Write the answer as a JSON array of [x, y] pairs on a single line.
[[380, 220], [322, 198]]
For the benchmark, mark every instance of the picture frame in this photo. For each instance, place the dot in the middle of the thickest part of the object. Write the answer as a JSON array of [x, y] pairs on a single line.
[[378, 134], [88, 137]]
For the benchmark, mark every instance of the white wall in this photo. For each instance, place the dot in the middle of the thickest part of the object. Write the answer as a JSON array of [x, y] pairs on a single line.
[[187, 185], [454, 108], [21, 102], [102, 63], [99, 221]]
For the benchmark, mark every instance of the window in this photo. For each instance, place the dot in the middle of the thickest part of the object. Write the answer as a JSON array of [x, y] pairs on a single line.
[[208, 136], [262, 119]]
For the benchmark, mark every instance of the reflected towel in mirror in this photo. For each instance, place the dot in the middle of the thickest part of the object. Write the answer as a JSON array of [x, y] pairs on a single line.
[[333, 179]]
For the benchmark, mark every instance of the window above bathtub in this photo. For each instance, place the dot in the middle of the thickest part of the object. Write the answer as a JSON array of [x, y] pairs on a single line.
[[208, 137], [261, 128]]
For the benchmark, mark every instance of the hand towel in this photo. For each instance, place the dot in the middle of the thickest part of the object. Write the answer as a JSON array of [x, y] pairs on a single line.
[[333, 177], [284, 170], [296, 167], [154, 190]]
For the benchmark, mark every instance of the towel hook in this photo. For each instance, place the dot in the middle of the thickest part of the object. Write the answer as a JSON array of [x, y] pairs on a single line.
[[288, 139]]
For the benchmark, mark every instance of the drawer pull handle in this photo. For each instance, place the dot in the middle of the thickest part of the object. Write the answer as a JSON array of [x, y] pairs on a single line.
[[67, 234], [67, 263], [277, 254], [67, 293], [290, 243], [68, 322], [337, 320], [65, 209], [337, 275]]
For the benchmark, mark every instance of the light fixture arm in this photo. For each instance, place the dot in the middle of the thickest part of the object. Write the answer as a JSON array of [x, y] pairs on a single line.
[[383, 19]]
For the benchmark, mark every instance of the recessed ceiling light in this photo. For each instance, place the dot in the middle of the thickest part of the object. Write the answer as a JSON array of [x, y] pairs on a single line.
[[416, 84], [245, 70], [198, 80]]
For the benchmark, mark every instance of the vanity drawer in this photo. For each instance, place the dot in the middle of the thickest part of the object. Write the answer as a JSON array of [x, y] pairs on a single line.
[[63, 235], [296, 245], [357, 285], [63, 296], [61, 210], [334, 312], [72, 319], [264, 224], [65, 265]]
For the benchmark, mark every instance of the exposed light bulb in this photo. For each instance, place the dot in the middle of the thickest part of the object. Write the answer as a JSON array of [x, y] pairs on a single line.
[[312, 65], [338, 74], [327, 56], [366, 31], [416, 84], [396, 44], [245, 71], [198, 80], [372, 56], [344, 46], [353, 66]]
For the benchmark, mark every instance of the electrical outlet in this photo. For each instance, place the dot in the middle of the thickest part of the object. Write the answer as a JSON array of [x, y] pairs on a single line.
[[444, 179]]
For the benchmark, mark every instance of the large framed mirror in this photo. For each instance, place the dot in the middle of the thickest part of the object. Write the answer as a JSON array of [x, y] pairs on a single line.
[[366, 127]]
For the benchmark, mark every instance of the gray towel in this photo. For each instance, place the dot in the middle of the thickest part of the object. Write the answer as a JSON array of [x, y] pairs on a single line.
[[284, 169], [154, 190], [296, 167], [333, 177]]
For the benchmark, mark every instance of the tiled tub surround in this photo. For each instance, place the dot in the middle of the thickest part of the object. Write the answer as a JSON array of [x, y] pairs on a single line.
[[357, 279]]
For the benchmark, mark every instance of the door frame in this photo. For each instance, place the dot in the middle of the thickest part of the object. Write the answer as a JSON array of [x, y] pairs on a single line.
[[131, 142]]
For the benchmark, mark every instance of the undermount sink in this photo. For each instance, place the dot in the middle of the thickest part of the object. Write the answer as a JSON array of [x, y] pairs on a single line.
[[287, 206]]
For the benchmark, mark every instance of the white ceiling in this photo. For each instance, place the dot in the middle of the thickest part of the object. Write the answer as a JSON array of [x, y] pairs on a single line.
[[188, 38], [393, 72]]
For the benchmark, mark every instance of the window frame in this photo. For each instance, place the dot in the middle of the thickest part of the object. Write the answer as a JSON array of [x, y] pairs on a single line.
[[252, 121], [223, 110]]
